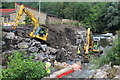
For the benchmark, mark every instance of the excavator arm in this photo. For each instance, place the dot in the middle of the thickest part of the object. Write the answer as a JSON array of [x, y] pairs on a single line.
[[89, 45], [89, 41], [37, 27], [19, 15]]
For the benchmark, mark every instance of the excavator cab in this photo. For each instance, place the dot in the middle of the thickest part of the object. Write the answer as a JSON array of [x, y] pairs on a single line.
[[40, 33], [96, 45]]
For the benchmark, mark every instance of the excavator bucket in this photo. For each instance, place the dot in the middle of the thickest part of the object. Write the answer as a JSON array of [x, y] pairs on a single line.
[[86, 58]]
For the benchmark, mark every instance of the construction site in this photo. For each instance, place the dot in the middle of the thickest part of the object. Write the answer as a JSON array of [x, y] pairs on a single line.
[[63, 45]]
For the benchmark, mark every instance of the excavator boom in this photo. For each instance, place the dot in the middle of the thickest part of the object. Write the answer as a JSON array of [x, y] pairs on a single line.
[[37, 27]]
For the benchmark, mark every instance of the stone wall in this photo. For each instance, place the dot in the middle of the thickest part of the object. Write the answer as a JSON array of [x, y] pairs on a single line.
[[53, 20], [68, 21]]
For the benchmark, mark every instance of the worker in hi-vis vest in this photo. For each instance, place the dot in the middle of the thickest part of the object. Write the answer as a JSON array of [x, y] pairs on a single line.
[[48, 65], [78, 51], [95, 45]]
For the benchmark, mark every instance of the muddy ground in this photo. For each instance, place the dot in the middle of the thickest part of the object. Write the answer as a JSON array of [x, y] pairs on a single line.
[[63, 36]]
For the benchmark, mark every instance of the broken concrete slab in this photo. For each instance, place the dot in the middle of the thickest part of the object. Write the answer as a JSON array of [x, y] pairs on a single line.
[[27, 39], [4, 34], [44, 47], [33, 49], [23, 45], [100, 74], [36, 43], [39, 56], [10, 35], [52, 50], [3, 43]]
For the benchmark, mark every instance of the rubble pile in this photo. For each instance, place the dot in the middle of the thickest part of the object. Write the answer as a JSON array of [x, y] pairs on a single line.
[[61, 39], [106, 71], [42, 51]]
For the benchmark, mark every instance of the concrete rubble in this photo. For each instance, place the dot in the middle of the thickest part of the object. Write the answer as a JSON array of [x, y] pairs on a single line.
[[23, 45], [10, 35], [100, 74], [60, 48], [43, 52], [106, 71]]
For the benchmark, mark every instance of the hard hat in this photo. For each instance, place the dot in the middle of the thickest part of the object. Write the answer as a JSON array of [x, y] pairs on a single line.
[[48, 64], [48, 59]]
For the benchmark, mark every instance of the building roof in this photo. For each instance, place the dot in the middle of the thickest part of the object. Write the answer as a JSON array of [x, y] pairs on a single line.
[[30, 7], [7, 10], [27, 6]]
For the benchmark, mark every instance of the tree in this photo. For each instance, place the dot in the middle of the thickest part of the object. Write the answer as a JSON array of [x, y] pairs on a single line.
[[112, 17], [8, 5]]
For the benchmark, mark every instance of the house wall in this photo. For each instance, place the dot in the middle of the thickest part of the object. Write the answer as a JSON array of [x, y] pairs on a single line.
[[65, 21]]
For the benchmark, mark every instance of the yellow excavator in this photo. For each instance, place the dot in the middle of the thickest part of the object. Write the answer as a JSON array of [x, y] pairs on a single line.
[[91, 46], [39, 32]]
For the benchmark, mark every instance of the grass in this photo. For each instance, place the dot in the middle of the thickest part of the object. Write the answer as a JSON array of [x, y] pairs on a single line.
[[0, 71]]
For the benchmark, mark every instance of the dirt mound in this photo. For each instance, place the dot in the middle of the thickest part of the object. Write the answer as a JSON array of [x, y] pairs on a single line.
[[63, 36]]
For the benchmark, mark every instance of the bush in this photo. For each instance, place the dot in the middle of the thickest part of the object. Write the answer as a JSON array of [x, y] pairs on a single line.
[[21, 67], [114, 52], [99, 61]]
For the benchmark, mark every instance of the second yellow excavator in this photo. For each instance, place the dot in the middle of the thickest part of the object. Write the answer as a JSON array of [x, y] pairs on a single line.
[[40, 32], [91, 45]]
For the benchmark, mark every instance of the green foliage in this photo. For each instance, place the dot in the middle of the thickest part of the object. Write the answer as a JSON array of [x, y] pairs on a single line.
[[114, 52], [8, 5], [112, 17], [99, 16], [22, 67], [31, 4], [98, 62], [27, 20]]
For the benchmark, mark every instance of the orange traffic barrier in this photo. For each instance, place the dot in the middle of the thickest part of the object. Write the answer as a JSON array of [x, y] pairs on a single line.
[[65, 73]]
